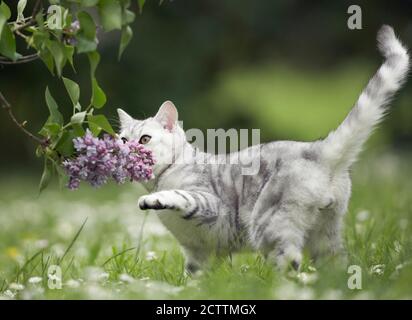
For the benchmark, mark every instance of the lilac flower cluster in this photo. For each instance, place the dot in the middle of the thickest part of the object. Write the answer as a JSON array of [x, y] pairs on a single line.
[[98, 160]]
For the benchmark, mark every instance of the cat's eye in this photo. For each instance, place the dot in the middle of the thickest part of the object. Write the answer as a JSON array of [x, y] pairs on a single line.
[[145, 139], [124, 139]]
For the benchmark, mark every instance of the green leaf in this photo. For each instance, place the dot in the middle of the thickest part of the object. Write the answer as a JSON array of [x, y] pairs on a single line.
[[59, 55], [78, 118], [94, 59], [78, 130], [47, 174], [61, 174], [47, 58], [110, 14], [21, 5], [5, 15], [87, 25], [85, 45], [65, 144], [7, 39], [98, 95], [127, 35], [98, 123], [73, 90], [86, 37], [40, 21], [8, 44], [98, 99], [55, 115], [128, 17], [40, 39], [141, 5], [50, 129], [69, 51]]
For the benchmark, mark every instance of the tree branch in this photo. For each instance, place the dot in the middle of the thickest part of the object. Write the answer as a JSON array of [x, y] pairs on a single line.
[[23, 59], [44, 142], [36, 9], [6, 105]]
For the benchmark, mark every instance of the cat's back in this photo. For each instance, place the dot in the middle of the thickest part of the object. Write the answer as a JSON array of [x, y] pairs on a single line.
[[289, 168]]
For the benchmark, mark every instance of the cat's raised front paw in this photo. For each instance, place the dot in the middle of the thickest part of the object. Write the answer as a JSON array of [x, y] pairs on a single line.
[[152, 201]]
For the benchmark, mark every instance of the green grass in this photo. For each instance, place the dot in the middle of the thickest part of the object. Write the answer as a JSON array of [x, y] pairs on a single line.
[[121, 252], [107, 248]]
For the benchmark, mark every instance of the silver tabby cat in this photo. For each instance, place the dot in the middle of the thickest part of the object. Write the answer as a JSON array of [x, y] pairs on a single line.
[[297, 199]]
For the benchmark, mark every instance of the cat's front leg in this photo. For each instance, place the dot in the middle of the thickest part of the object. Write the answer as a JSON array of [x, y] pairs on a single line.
[[163, 200], [191, 203]]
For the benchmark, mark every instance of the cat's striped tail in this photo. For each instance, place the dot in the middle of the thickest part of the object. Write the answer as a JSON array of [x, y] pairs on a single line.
[[341, 147]]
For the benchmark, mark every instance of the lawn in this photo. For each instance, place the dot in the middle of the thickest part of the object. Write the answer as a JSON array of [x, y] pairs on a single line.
[[107, 249]]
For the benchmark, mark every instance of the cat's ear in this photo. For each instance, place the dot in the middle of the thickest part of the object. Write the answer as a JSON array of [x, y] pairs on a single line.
[[167, 115], [125, 118]]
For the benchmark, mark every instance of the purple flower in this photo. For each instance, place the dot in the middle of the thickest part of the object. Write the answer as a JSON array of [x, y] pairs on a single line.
[[99, 160], [75, 26]]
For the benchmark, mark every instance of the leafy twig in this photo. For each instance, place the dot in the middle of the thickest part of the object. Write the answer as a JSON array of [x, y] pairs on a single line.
[[7, 106], [32, 19]]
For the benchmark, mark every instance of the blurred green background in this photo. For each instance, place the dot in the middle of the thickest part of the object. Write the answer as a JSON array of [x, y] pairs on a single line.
[[291, 68]]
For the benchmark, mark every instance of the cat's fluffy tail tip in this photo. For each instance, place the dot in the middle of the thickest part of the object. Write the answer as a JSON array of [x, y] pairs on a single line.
[[389, 44]]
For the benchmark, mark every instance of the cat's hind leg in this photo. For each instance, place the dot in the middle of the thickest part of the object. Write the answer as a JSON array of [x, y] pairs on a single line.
[[280, 235]]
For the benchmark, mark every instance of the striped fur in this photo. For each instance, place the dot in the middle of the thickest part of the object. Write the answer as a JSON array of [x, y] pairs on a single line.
[[295, 201], [342, 146]]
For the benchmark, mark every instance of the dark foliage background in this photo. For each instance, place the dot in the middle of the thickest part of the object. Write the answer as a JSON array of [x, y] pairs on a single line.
[[221, 61]]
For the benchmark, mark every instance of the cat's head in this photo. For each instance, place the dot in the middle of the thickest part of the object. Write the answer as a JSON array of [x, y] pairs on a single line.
[[161, 133]]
